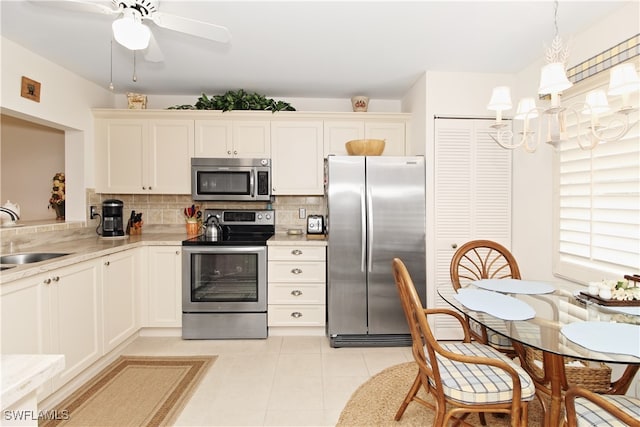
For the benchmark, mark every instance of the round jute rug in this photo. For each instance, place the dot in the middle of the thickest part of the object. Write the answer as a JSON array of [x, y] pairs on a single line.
[[376, 402]]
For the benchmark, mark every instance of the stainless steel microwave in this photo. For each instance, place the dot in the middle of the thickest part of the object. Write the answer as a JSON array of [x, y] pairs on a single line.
[[247, 180]]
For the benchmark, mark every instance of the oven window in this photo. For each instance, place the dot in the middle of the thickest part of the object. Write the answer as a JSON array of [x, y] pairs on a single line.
[[226, 182], [224, 277]]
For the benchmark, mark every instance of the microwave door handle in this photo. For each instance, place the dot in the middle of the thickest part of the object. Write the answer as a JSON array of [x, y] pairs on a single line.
[[252, 182]]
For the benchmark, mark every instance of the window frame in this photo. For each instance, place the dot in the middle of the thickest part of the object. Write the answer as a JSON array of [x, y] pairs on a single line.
[[572, 268]]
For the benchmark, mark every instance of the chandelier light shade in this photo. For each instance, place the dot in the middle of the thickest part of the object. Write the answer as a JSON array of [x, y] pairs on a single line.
[[553, 79], [130, 32]]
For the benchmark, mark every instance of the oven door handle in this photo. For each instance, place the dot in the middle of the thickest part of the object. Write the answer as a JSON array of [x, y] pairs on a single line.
[[252, 179]]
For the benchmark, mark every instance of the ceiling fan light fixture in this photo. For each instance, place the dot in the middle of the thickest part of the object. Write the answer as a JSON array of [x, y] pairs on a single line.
[[130, 32]]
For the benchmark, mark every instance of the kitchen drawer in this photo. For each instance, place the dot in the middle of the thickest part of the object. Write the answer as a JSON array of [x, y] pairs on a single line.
[[288, 293], [296, 315], [296, 271], [298, 253]]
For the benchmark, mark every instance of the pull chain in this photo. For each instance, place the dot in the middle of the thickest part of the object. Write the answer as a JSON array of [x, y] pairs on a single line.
[[135, 78], [111, 67]]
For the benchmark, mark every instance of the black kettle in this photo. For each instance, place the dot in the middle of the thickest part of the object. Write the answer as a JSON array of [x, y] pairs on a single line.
[[212, 229]]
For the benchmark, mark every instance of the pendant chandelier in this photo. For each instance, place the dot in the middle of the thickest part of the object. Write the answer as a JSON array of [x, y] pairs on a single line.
[[550, 123]]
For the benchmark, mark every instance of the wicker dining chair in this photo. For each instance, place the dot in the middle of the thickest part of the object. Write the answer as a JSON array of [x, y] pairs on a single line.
[[463, 377], [484, 259], [585, 408]]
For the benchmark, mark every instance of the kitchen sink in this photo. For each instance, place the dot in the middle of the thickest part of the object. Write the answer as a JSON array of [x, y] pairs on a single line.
[[29, 257]]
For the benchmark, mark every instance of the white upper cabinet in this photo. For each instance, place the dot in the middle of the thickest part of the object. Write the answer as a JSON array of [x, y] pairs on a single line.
[[140, 155], [297, 163], [338, 132], [232, 138]]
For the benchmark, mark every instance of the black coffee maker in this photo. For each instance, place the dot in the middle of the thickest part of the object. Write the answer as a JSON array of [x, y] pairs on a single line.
[[112, 224]]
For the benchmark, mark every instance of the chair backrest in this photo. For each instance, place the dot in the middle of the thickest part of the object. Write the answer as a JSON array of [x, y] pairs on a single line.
[[421, 335], [614, 405], [482, 259]]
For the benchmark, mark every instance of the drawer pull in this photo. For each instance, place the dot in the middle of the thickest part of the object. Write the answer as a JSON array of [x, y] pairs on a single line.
[[47, 281], [296, 271], [296, 314], [296, 293], [296, 252]]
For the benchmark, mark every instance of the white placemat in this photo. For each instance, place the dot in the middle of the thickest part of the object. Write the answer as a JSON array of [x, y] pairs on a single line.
[[514, 286], [496, 304], [605, 337]]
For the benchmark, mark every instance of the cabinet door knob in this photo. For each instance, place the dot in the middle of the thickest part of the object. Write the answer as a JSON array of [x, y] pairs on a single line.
[[107, 263], [235, 152], [150, 188], [296, 271], [454, 245], [229, 152], [296, 252], [56, 278], [296, 314], [296, 293], [144, 188], [177, 252], [47, 281]]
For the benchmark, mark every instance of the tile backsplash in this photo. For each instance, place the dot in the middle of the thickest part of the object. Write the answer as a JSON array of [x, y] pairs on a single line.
[[168, 209], [163, 213]]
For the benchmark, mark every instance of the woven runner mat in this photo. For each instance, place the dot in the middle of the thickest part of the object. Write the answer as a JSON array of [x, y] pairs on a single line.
[[133, 391]]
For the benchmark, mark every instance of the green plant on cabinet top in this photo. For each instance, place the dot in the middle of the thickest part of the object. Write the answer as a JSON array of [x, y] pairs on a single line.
[[236, 100]]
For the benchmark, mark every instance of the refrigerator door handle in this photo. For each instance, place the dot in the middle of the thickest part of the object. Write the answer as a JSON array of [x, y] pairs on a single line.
[[369, 221], [363, 230]]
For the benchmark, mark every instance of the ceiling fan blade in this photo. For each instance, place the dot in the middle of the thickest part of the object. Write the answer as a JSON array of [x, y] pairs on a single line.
[[80, 6], [153, 53], [193, 27]]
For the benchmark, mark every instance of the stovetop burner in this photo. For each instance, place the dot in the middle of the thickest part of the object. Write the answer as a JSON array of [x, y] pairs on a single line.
[[239, 228]]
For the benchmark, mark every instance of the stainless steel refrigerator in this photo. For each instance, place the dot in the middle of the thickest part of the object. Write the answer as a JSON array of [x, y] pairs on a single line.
[[376, 211]]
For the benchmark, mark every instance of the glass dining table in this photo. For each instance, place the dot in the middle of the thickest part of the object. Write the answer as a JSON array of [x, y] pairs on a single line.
[[562, 326]]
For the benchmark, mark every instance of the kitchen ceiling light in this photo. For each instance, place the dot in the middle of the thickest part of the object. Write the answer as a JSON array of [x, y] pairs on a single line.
[[130, 32], [553, 80]]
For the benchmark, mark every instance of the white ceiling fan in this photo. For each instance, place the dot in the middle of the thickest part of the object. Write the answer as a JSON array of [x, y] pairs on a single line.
[[130, 31]]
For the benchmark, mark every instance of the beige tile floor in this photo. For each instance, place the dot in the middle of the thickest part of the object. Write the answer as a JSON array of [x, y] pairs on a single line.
[[280, 381]]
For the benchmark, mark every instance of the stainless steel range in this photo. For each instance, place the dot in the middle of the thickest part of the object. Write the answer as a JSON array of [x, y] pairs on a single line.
[[224, 282]]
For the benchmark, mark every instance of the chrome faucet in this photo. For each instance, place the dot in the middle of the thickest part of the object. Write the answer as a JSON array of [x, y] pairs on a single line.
[[14, 216]]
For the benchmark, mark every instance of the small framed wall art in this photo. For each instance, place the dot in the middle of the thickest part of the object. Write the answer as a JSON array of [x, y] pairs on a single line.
[[30, 89]]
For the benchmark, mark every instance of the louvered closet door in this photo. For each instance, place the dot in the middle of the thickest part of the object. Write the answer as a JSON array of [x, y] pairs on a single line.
[[472, 198]]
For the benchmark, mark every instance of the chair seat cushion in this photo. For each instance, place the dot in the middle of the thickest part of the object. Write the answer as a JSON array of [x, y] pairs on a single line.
[[589, 414], [471, 383]]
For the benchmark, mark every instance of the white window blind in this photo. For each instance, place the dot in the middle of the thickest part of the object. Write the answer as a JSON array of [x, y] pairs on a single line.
[[597, 204]]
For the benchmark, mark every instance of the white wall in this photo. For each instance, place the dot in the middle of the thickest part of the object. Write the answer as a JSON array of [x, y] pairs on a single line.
[[65, 103], [300, 104], [532, 182], [31, 156]]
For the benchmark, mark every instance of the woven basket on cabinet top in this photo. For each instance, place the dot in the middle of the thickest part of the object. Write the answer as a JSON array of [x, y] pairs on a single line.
[[365, 147]]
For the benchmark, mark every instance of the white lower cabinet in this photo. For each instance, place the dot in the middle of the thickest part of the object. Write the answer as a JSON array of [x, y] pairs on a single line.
[[297, 287], [163, 286], [120, 276], [72, 323], [24, 306]]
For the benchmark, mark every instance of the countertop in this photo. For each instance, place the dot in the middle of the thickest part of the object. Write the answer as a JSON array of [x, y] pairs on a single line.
[[284, 239], [84, 249], [24, 373]]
